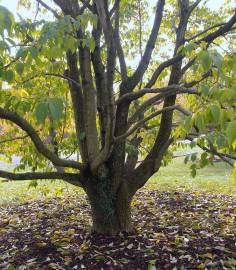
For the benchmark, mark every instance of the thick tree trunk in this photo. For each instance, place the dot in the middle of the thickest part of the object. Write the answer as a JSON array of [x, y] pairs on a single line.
[[111, 212]]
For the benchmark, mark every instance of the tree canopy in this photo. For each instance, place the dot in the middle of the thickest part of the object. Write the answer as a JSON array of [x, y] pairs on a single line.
[[118, 86]]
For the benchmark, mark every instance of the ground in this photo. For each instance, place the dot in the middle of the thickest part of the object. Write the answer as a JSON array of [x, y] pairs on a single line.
[[180, 223], [174, 230]]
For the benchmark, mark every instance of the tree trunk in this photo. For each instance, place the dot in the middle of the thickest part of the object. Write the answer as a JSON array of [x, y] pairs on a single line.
[[111, 211]]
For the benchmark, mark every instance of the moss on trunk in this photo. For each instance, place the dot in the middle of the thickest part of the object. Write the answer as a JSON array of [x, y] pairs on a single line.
[[111, 212]]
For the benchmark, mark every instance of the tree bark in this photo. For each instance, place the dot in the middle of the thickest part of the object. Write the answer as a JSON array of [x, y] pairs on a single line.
[[111, 212]]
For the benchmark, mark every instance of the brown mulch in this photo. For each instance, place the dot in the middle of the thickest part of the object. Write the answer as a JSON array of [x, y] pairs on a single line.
[[174, 230]]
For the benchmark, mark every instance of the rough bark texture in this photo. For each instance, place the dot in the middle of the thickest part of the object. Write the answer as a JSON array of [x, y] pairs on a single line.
[[104, 122], [111, 211]]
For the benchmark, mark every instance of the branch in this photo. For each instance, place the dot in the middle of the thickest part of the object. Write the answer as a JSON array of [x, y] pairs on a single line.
[[164, 91], [145, 60], [194, 82], [77, 102], [161, 67], [152, 162], [166, 121], [149, 117], [49, 8], [213, 151], [226, 27], [68, 7], [14, 139], [221, 31], [114, 8], [89, 101], [52, 74], [118, 153], [72, 178], [28, 39], [204, 31], [36, 175], [194, 5], [102, 10], [99, 72], [86, 5], [119, 48], [156, 100], [104, 153], [187, 66], [42, 149], [228, 156]]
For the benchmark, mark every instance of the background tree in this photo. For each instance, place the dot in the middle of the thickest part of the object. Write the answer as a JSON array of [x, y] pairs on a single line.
[[93, 82]]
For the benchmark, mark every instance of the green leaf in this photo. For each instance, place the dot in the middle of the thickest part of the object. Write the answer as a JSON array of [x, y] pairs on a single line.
[[19, 68], [22, 53], [92, 44], [56, 107], [205, 90], [215, 112], [186, 159], [193, 170], [200, 121], [205, 60], [8, 76], [193, 157], [193, 173], [217, 60], [224, 119], [33, 184], [41, 112], [187, 50], [193, 144], [6, 20], [188, 122], [231, 131], [204, 160], [34, 52]]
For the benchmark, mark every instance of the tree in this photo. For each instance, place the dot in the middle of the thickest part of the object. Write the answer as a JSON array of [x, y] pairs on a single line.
[[72, 85]]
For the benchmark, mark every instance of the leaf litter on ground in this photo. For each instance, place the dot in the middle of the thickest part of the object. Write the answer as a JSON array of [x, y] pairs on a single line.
[[173, 230]]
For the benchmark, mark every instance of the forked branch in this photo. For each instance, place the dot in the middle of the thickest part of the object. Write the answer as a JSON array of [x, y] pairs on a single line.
[[40, 146], [151, 116], [145, 60], [53, 11], [223, 29], [164, 91]]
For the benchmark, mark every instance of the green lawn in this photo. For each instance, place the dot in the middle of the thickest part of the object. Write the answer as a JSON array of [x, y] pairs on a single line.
[[216, 178], [176, 175], [19, 191]]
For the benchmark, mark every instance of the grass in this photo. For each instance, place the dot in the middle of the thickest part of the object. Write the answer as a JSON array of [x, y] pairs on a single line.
[[176, 175], [216, 178], [15, 191]]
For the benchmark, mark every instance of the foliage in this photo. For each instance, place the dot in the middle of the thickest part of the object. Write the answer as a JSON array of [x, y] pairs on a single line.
[[39, 47], [100, 98]]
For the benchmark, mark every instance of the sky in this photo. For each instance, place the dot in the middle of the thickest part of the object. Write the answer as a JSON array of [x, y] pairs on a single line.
[[12, 5]]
